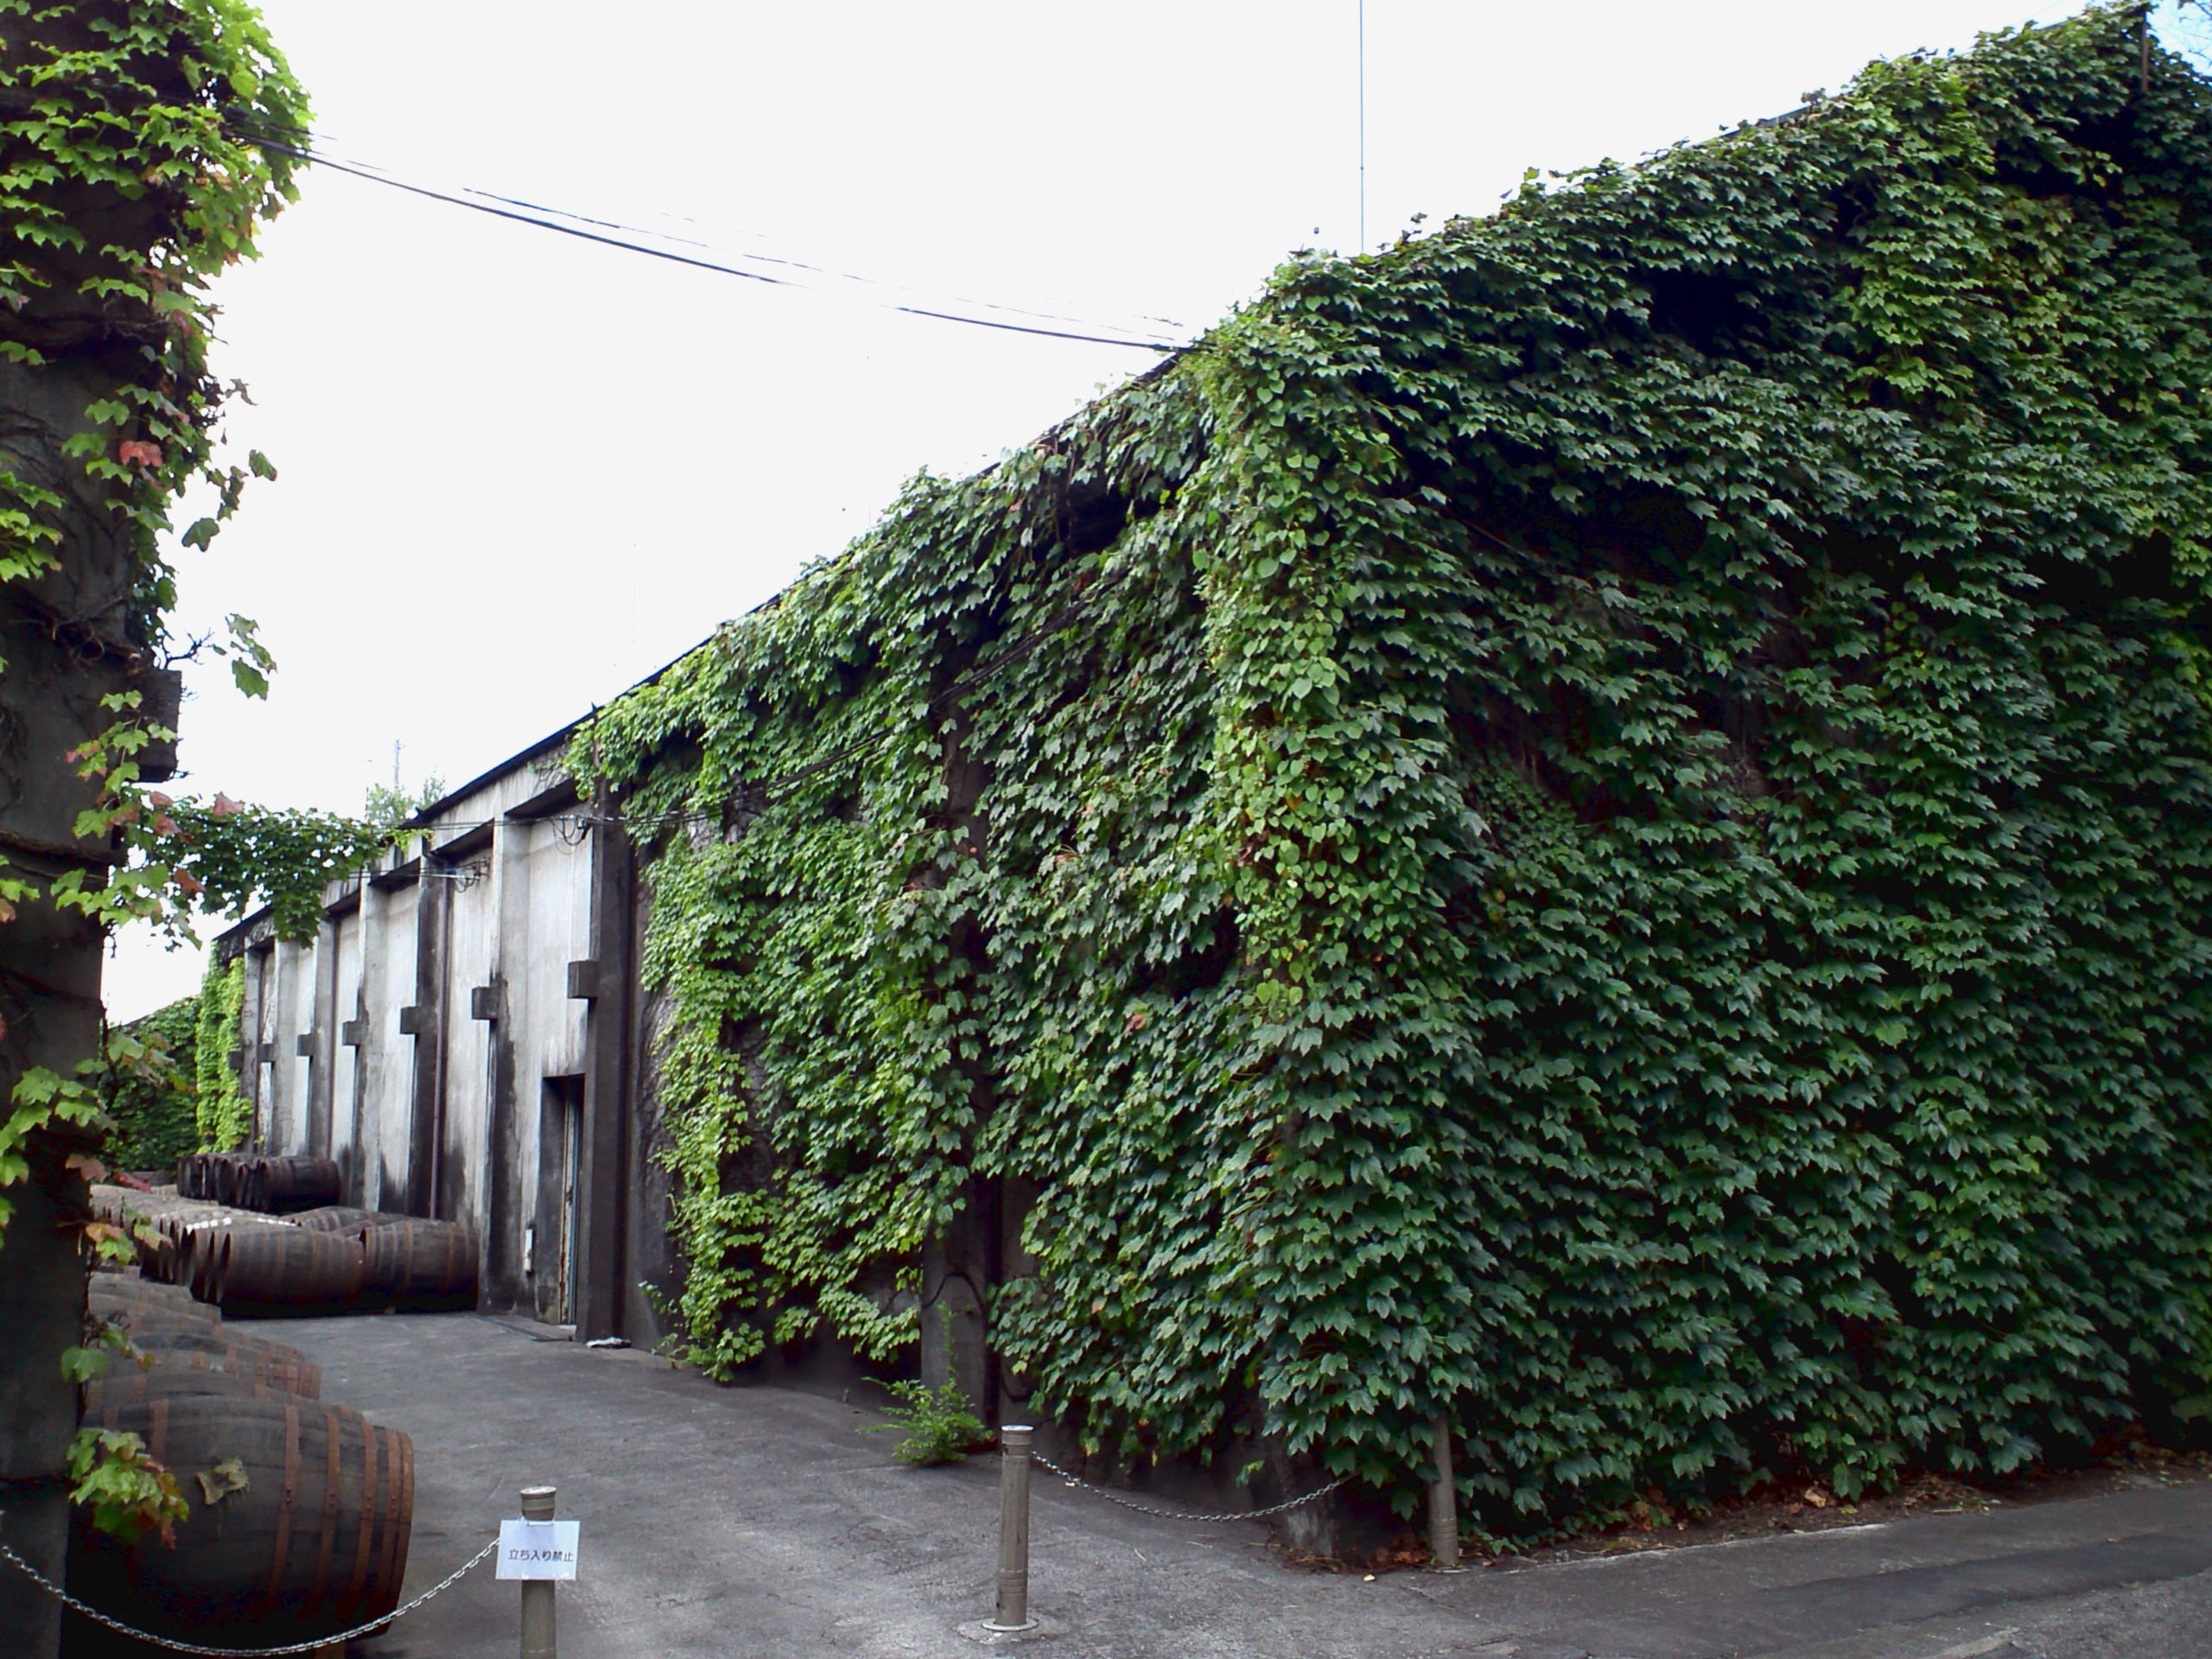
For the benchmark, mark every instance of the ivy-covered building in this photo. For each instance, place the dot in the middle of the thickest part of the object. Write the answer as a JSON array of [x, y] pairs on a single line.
[[1595, 825]]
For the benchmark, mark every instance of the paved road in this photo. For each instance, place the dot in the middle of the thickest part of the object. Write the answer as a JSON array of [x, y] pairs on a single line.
[[738, 1522]]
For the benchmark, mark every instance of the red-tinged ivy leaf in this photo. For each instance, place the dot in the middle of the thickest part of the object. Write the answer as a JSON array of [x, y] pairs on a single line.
[[160, 802], [137, 452], [185, 879], [224, 807], [86, 1165], [165, 825]]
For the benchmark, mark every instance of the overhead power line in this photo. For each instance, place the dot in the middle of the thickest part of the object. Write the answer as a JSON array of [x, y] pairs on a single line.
[[787, 273]]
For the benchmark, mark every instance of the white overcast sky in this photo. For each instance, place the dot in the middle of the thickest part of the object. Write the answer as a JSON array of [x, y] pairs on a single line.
[[520, 471]]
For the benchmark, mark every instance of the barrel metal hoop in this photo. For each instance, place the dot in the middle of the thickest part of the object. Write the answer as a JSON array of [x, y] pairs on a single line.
[[397, 1495], [364, 1528], [406, 1515], [283, 1547], [333, 1443]]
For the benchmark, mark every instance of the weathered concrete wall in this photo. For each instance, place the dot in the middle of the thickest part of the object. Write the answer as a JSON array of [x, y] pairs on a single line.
[[428, 1040], [388, 983]]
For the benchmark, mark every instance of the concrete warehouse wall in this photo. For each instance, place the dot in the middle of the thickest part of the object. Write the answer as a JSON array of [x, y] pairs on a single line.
[[444, 1038]]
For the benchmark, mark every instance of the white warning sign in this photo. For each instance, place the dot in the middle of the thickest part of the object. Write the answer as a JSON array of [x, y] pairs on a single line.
[[538, 1549]]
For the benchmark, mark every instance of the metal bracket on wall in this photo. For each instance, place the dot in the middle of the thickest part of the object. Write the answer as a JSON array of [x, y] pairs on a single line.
[[484, 1003], [308, 1042], [353, 1032], [415, 1021], [583, 979], [265, 1054]]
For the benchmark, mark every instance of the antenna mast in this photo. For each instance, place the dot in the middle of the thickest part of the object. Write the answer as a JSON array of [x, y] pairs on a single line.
[[1363, 126]]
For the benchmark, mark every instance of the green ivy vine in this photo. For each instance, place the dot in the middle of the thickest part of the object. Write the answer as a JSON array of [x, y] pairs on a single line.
[[150, 1089], [1600, 823], [158, 115], [162, 102], [223, 1115]]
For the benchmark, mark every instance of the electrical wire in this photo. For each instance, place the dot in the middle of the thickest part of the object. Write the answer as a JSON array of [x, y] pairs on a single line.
[[627, 238]]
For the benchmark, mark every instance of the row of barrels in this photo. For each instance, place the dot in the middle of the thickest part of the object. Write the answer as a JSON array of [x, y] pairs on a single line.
[[333, 1259], [249, 1180], [300, 1509]]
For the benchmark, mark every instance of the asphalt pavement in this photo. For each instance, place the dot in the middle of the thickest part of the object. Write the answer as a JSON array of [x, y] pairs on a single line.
[[760, 1521]]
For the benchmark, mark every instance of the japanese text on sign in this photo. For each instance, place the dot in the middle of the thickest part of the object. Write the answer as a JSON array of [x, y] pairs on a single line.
[[538, 1549]]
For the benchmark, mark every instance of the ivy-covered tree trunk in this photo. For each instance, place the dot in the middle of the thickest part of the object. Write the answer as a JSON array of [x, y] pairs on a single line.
[[67, 646], [69, 643], [131, 169]]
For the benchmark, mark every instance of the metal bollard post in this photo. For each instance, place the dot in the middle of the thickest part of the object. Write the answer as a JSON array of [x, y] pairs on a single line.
[[1443, 1501], [1013, 1530], [537, 1593]]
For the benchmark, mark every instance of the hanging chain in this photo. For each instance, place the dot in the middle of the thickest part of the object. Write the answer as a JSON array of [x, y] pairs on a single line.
[[315, 1646], [1112, 1497]]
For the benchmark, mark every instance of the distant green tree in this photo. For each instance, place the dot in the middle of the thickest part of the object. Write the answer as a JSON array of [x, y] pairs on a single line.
[[386, 808]]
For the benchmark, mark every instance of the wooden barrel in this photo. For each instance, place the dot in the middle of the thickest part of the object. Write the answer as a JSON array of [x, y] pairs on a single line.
[[270, 1364], [200, 1246], [287, 1267], [422, 1262], [190, 1170], [137, 1321], [113, 1291], [183, 1233], [342, 1218], [196, 1250], [282, 1184], [314, 1540], [126, 1385]]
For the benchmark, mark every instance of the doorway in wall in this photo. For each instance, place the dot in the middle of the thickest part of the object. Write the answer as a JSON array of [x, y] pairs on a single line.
[[560, 1201]]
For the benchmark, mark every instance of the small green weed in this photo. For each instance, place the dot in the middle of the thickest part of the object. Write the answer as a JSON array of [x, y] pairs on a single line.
[[940, 1426]]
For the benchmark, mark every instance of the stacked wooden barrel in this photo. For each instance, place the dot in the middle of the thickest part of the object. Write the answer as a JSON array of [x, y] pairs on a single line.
[[307, 1532], [421, 1263], [333, 1258], [253, 1181], [342, 1218], [300, 1509], [285, 1268]]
